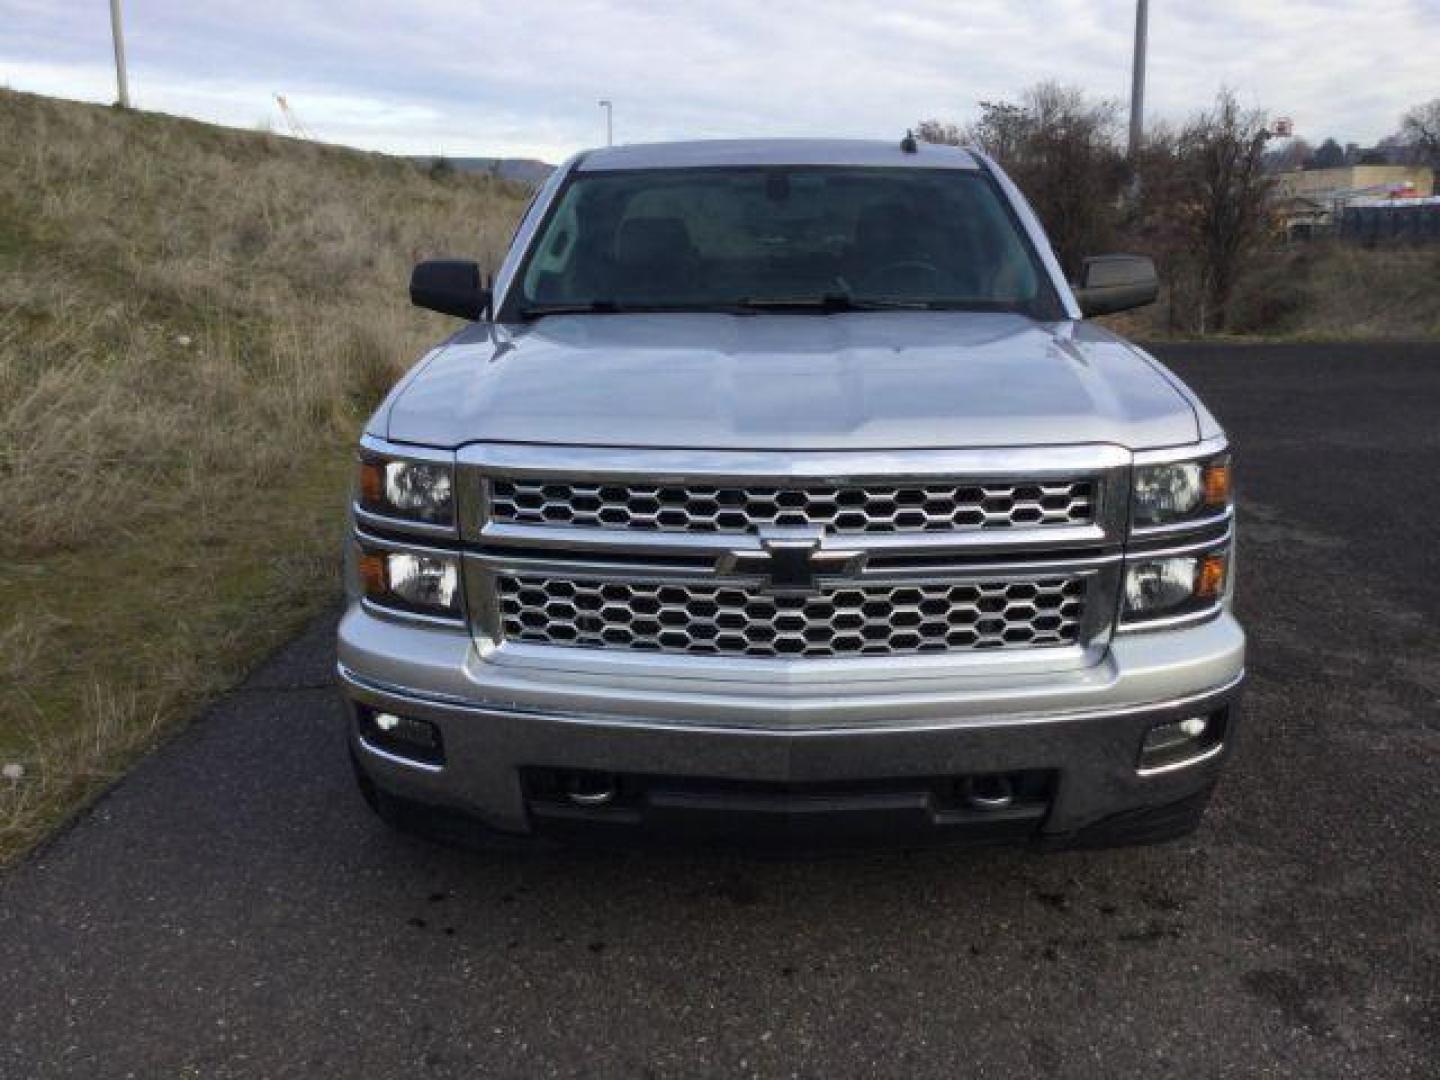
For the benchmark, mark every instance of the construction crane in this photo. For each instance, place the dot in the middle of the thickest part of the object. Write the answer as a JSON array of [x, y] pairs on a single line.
[[299, 130]]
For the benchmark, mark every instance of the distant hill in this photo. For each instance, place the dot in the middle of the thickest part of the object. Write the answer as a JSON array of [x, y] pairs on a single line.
[[525, 171]]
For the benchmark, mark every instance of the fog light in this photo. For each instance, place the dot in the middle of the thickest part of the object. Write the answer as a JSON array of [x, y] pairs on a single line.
[[1176, 743], [406, 737]]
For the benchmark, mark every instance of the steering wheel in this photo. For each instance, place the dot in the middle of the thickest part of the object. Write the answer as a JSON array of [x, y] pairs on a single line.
[[907, 264]]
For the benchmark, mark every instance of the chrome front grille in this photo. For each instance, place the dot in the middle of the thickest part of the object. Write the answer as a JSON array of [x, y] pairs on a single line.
[[733, 621], [841, 509], [711, 562]]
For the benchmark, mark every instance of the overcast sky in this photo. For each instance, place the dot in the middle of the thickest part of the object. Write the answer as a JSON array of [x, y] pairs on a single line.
[[472, 77]]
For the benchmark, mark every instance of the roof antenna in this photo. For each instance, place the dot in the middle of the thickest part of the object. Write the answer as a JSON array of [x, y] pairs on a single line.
[[908, 144]]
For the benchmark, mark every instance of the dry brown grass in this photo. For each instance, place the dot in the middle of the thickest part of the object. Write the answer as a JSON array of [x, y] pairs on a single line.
[[1333, 290], [193, 323], [1322, 291]]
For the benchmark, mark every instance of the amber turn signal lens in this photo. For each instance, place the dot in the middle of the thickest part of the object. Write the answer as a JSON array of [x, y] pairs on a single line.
[[371, 570], [1217, 484], [1210, 577], [372, 483]]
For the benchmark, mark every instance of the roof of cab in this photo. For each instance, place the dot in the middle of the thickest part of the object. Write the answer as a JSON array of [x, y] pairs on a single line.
[[716, 153]]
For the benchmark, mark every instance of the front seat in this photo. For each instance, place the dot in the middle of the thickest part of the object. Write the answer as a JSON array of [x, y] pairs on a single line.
[[888, 232], [654, 259]]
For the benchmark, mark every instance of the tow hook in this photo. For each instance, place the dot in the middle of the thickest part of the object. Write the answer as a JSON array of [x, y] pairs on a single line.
[[989, 793], [590, 789]]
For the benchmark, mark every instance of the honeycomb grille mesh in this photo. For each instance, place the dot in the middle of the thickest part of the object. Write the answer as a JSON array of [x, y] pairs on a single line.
[[882, 508], [720, 620]]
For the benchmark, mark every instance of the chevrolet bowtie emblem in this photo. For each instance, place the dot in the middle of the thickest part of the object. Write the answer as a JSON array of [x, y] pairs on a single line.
[[791, 561]]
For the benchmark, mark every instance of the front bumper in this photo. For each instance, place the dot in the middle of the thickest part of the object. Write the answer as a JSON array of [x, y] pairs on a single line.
[[1082, 729]]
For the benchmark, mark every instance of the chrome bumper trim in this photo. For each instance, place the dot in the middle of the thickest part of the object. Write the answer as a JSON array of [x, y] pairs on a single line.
[[352, 681], [397, 759], [1175, 766]]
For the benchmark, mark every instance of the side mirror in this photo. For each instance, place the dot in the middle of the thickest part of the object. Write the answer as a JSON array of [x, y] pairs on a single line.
[[1110, 283], [449, 286]]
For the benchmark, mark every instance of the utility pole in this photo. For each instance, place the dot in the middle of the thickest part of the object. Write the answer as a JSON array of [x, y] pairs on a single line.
[[1137, 78], [116, 31], [609, 108]]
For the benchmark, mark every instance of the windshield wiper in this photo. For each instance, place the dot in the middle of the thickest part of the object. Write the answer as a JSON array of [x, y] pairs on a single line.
[[588, 307], [830, 301]]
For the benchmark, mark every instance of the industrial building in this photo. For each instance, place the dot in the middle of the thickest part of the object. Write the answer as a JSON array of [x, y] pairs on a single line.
[[1370, 203]]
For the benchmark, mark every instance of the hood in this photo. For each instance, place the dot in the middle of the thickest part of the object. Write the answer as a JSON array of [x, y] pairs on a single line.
[[789, 381]]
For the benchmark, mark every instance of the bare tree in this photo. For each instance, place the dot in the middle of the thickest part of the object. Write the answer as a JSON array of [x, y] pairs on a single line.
[[1199, 205], [940, 132], [1154, 225], [1224, 199], [1396, 150], [1294, 155], [1006, 131], [1328, 155], [1062, 151], [1420, 129]]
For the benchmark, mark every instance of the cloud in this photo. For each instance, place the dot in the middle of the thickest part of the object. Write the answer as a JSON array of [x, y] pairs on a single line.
[[523, 79]]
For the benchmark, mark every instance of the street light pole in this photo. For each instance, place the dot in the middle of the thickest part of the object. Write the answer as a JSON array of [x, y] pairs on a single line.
[[1137, 78], [609, 108], [117, 32]]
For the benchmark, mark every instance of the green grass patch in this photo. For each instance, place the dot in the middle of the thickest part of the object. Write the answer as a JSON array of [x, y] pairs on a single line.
[[110, 649], [194, 322]]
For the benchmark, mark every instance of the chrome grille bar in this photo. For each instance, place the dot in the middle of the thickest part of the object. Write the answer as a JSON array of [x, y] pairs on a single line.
[[883, 508], [719, 620]]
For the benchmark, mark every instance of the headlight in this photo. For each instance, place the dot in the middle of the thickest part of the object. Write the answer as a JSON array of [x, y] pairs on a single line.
[[1180, 490], [425, 583], [419, 490], [1174, 585]]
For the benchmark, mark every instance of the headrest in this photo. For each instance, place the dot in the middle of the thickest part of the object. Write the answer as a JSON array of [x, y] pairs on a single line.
[[881, 225], [643, 240]]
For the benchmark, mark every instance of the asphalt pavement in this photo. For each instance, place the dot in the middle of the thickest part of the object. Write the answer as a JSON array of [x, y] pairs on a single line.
[[232, 909]]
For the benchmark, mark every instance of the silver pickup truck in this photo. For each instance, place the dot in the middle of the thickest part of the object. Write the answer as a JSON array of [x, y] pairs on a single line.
[[777, 491]]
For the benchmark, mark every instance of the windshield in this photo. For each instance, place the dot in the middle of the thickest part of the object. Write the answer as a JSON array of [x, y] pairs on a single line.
[[778, 237]]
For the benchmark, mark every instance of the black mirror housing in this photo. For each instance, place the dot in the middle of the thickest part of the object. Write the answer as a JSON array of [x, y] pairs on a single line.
[[449, 286], [1110, 283]]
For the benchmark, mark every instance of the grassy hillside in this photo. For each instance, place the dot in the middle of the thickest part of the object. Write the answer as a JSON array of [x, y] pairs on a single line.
[[194, 322]]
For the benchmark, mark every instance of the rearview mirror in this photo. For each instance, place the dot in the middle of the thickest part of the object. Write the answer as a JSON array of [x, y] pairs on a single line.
[[449, 286], [1110, 283]]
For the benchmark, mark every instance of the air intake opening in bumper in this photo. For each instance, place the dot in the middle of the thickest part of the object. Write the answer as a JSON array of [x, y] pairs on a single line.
[[627, 807]]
